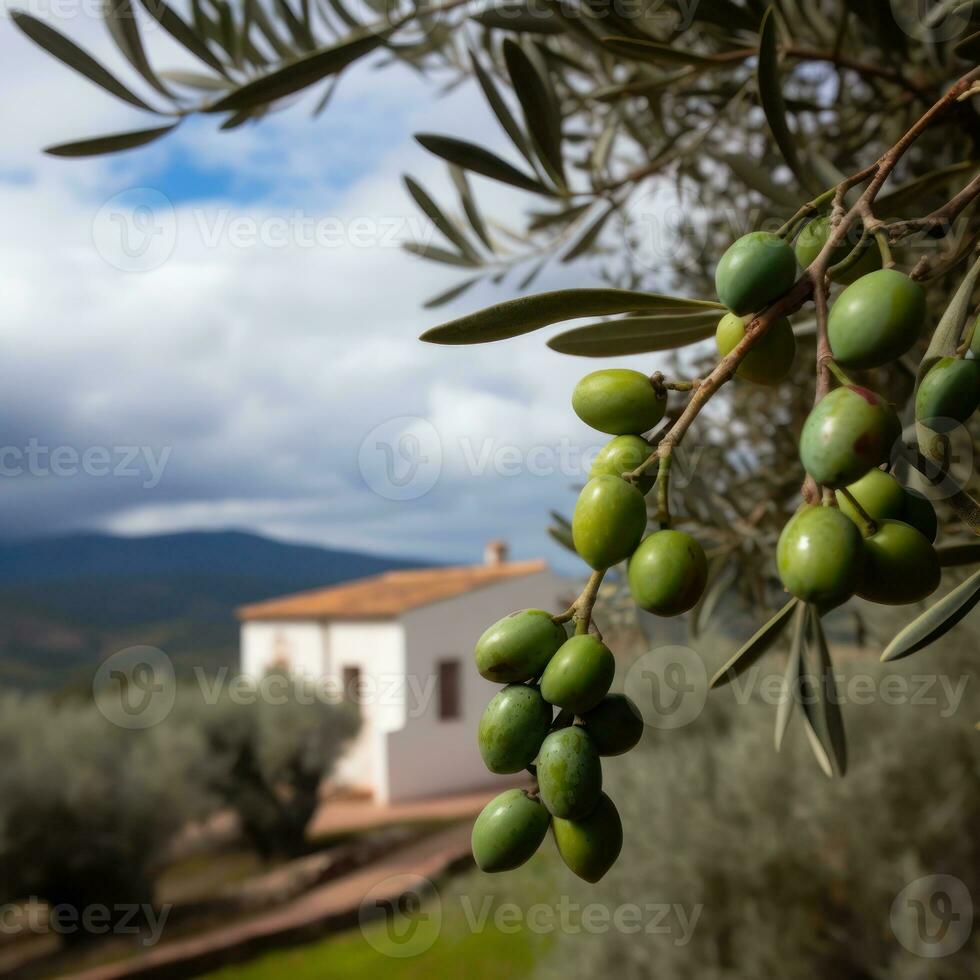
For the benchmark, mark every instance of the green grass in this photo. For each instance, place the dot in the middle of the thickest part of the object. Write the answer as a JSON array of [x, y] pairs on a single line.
[[469, 940]]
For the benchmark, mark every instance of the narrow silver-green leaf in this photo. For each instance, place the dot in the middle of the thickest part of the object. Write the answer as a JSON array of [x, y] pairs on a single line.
[[540, 114], [436, 254], [758, 179], [450, 294], [526, 313], [588, 237], [954, 555], [522, 18], [470, 209], [636, 335], [70, 54], [831, 721], [478, 160], [771, 95], [196, 80], [790, 692], [298, 74], [182, 33], [120, 18], [756, 646], [108, 144], [438, 217], [936, 621], [655, 53], [500, 109]]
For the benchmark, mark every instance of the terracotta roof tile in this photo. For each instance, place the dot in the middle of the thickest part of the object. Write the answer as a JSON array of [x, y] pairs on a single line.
[[386, 596]]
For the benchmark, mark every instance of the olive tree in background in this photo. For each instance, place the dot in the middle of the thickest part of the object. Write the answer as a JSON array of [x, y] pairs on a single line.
[[270, 752], [88, 809]]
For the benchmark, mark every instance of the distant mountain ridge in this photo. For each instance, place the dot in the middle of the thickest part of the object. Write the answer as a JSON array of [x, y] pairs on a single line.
[[68, 601]]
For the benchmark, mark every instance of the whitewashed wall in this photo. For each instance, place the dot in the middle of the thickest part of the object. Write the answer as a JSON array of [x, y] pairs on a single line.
[[429, 756], [404, 751], [378, 650], [301, 642]]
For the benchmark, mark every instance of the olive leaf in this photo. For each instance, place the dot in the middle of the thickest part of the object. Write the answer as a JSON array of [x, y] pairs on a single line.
[[526, 313], [120, 18], [936, 621], [450, 294], [825, 717], [519, 17], [499, 107], [537, 102], [70, 54], [790, 692], [298, 74], [588, 237], [182, 33], [468, 203], [968, 47], [436, 254], [108, 144], [637, 334], [758, 179], [655, 53], [771, 95], [439, 218], [755, 646], [954, 555], [475, 158]]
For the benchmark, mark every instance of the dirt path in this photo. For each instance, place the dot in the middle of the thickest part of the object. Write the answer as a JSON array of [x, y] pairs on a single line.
[[323, 909]]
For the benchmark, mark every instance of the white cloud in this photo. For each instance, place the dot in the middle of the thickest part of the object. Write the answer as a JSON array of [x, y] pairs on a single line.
[[263, 366]]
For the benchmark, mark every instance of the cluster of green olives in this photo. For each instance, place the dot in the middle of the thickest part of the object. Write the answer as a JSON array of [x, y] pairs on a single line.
[[667, 569], [544, 669], [877, 542]]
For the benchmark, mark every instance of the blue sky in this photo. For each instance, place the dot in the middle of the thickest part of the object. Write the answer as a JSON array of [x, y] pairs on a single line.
[[252, 349]]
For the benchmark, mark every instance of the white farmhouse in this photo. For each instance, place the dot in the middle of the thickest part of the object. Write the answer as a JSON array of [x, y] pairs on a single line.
[[401, 645]]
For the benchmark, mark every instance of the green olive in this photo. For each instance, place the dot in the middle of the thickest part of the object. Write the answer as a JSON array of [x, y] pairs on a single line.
[[919, 512], [569, 773], [848, 432], [770, 360], [812, 240], [519, 646], [508, 831], [615, 724], [668, 572], [622, 454], [513, 727], [579, 674], [876, 319], [609, 520], [975, 338], [618, 401], [900, 565], [950, 390], [879, 494], [819, 556], [756, 269], [590, 846]]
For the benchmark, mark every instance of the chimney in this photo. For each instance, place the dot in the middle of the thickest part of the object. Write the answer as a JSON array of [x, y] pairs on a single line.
[[495, 552]]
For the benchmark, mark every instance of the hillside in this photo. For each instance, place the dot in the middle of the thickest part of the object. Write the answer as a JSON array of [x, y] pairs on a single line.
[[66, 602]]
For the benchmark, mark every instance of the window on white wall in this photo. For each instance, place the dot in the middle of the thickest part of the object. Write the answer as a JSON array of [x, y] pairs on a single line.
[[448, 690], [352, 684]]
